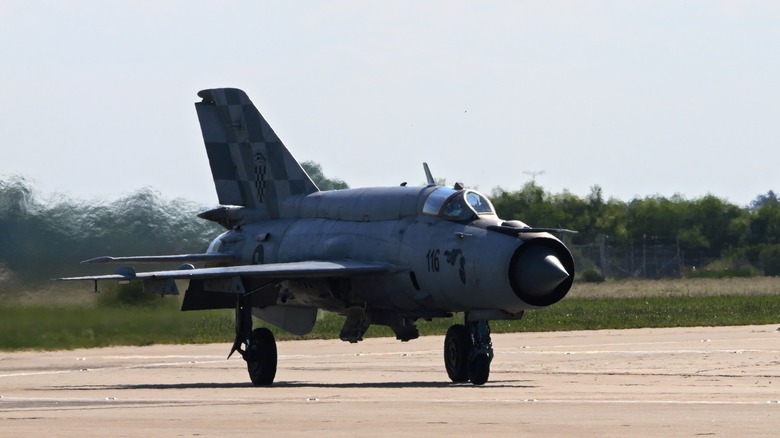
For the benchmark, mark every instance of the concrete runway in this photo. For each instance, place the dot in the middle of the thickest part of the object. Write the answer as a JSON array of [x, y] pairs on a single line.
[[721, 381]]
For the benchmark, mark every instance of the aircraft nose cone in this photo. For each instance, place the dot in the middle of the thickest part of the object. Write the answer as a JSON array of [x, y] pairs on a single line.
[[540, 272], [537, 276]]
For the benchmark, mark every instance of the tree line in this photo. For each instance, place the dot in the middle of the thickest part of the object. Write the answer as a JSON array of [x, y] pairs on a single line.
[[709, 229]]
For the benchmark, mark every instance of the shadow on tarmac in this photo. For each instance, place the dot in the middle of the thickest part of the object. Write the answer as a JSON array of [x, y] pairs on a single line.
[[295, 384]]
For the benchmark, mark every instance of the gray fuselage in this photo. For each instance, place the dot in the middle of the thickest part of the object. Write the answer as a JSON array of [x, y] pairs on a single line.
[[447, 262]]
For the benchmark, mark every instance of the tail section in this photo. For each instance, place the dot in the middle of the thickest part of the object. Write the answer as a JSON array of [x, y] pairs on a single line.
[[250, 165]]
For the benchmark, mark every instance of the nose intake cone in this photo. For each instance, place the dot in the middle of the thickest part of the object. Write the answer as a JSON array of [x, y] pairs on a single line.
[[537, 276], [541, 274]]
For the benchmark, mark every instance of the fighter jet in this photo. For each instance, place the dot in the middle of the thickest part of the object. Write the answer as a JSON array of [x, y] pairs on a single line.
[[384, 255]]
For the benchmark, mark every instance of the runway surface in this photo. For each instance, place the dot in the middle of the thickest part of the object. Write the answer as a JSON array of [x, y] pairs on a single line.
[[721, 381]]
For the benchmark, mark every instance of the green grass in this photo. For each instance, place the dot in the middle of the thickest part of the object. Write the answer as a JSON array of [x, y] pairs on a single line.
[[677, 287], [48, 328], [623, 313], [680, 311]]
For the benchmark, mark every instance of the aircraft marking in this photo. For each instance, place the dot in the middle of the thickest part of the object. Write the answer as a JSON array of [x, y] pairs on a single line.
[[260, 169], [433, 260], [452, 256]]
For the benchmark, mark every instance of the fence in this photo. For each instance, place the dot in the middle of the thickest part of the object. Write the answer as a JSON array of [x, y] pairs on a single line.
[[652, 258]]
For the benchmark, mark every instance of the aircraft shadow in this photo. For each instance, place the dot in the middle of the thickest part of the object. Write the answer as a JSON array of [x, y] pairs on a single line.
[[392, 385], [292, 384]]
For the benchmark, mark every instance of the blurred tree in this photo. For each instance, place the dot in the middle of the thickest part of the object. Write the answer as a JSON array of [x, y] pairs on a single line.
[[323, 183], [45, 238], [765, 224], [760, 200]]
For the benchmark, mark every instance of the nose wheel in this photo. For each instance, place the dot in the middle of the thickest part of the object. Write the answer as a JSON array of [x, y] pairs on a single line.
[[468, 352], [457, 344]]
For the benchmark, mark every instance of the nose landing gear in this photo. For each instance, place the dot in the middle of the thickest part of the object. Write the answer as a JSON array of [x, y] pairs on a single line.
[[468, 352]]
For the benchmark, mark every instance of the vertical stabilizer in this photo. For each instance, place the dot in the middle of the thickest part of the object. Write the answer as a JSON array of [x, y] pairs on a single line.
[[250, 165]]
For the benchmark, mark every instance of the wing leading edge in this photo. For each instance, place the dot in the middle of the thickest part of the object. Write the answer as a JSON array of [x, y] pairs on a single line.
[[280, 271], [181, 258]]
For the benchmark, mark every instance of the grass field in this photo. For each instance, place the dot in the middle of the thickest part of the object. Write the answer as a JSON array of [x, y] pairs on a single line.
[[30, 321], [695, 287]]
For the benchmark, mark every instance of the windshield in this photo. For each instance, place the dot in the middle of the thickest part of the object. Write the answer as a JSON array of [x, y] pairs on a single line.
[[479, 203], [458, 205]]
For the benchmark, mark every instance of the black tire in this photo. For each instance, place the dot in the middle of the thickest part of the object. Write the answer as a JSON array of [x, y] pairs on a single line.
[[479, 368], [457, 345], [261, 357]]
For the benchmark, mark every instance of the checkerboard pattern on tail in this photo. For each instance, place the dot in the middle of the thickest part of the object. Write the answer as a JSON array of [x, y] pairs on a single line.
[[250, 165]]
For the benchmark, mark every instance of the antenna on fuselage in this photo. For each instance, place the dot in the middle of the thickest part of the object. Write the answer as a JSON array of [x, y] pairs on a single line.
[[428, 175]]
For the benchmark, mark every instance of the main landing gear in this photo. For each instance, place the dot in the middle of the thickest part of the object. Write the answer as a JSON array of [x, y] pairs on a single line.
[[259, 350], [468, 349], [468, 352]]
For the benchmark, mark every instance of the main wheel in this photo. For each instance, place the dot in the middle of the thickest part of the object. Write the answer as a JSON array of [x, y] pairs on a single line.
[[479, 368], [261, 357], [457, 345]]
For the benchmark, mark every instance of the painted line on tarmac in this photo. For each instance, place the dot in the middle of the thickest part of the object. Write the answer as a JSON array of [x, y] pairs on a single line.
[[111, 368], [635, 352]]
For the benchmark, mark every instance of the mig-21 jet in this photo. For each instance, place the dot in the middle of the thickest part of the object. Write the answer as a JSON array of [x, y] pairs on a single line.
[[384, 255]]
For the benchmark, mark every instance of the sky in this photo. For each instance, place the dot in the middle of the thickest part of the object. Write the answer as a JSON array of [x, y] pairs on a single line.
[[641, 98]]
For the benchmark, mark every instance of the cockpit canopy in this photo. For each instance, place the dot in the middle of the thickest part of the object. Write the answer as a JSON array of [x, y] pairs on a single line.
[[457, 205]]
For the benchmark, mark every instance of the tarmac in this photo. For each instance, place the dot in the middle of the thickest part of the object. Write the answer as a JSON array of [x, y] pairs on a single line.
[[703, 381]]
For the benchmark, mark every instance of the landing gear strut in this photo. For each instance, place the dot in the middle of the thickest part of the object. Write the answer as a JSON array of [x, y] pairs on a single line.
[[259, 350], [468, 352]]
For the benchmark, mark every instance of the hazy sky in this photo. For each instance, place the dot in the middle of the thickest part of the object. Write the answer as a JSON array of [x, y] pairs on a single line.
[[640, 98]]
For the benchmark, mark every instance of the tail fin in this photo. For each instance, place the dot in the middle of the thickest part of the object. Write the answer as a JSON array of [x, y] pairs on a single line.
[[250, 165]]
